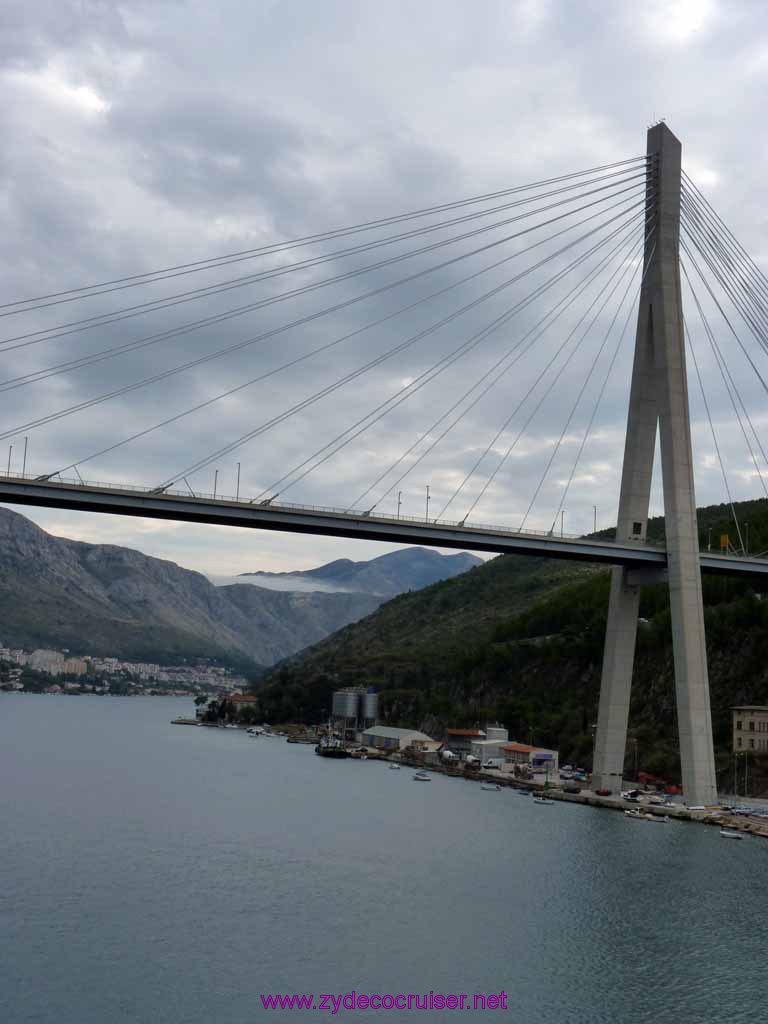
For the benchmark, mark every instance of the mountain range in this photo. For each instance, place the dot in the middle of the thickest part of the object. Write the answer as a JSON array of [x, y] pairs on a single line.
[[110, 600]]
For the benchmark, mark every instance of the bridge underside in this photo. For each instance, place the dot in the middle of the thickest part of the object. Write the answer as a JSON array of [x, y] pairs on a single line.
[[649, 560]]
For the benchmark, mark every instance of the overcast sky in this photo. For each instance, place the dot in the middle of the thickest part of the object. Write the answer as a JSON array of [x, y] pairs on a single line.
[[140, 135]]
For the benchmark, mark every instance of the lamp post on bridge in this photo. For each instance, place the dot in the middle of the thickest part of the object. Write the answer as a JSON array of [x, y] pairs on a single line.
[[426, 517], [10, 450], [399, 502]]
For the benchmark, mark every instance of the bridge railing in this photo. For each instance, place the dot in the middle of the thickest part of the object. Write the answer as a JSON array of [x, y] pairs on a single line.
[[294, 507]]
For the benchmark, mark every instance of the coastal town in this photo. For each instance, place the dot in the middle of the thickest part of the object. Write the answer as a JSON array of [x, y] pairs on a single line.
[[60, 671]]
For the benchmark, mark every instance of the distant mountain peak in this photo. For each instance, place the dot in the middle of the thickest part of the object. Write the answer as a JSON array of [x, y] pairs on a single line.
[[385, 575]]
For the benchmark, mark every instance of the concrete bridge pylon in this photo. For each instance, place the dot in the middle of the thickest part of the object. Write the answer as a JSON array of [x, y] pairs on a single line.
[[659, 399]]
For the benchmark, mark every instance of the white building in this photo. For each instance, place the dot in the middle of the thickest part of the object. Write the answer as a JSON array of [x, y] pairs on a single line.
[[489, 749], [47, 661]]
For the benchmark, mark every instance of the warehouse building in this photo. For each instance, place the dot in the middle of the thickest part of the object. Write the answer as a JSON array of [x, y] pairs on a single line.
[[489, 749], [387, 737], [459, 741], [536, 758], [483, 744]]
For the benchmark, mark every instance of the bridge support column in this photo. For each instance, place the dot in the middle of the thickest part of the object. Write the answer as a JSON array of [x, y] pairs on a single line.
[[659, 395]]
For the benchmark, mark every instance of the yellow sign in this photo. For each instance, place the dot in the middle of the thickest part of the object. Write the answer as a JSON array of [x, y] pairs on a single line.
[[723, 541]]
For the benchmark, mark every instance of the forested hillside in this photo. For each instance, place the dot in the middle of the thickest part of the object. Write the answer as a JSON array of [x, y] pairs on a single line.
[[521, 640]]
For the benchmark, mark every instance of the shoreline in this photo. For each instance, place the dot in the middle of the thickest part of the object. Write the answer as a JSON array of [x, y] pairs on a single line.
[[712, 816]]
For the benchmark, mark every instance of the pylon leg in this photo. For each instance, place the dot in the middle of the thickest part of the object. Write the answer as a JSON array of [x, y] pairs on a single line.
[[615, 690]]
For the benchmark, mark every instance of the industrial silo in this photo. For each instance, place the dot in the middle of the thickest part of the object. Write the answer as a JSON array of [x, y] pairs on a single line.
[[370, 710], [346, 704]]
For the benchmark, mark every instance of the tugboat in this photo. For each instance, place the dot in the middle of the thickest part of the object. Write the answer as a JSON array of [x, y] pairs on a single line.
[[331, 746]]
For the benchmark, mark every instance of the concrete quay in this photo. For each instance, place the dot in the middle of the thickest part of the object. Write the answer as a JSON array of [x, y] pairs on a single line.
[[708, 816]]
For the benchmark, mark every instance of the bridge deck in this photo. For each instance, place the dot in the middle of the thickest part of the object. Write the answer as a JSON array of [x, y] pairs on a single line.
[[135, 501]]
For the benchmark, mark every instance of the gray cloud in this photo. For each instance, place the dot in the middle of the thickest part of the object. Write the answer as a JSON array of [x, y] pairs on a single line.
[[144, 135]]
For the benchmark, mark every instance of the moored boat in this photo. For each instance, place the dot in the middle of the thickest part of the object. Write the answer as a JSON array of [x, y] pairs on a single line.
[[647, 816]]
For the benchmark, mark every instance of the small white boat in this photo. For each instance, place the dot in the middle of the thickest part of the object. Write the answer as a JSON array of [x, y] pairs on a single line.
[[491, 787], [422, 777], [542, 800], [729, 833], [639, 815], [394, 767]]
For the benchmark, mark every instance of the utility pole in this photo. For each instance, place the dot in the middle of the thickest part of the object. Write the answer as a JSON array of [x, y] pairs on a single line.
[[658, 402], [215, 483], [746, 538], [10, 450], [594, 524], [399, 502], [237, 495], [427, 515], [562, 521]]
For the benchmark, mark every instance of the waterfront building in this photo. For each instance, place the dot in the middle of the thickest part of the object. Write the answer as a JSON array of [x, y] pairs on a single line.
[[535, 758], [387, 737], [489, 749], [459, 741], [750, 727], [244, 700], [482, 743]]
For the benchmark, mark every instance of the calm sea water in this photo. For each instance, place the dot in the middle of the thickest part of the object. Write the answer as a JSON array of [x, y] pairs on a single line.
[[155, 873]]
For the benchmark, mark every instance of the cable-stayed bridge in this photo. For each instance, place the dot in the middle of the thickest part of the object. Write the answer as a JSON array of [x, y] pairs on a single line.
[[513, 307], [337, 522]]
